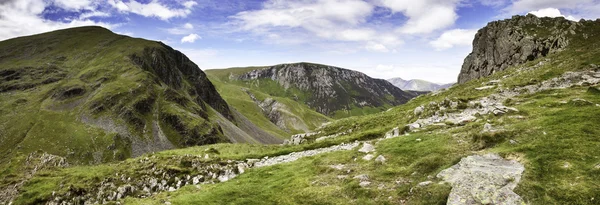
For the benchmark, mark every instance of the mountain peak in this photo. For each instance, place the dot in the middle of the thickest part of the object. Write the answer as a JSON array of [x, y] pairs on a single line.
[[505, 43]]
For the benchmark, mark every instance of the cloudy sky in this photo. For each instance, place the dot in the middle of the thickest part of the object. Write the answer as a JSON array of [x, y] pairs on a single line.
[[412, 39]]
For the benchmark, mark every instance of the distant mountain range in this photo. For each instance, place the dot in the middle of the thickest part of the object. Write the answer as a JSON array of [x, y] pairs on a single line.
[[418, 85]]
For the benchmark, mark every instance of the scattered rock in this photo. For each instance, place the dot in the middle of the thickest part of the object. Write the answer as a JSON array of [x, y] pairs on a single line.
[[493, 82], [513, 141], [485, 87], [597, 166], [362, 177], [425, 183], [366, 148], [393, 133], [487, 179], [566, 165], [368, 157], [342, 176], [364, 184], [488, 127], [419, 139], [413, 126], [419, 110], [380, 159], [337, 166]]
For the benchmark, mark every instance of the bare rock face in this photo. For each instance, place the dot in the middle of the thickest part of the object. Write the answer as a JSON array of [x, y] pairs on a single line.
[[328, 89], [514, 41], [487, 179]]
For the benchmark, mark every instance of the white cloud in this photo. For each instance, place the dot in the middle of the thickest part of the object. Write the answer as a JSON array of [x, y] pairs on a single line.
[[551, 12], [190, 38], [334, 20], [75, 4], [376, 47], [93, 14], [24, 17], [189, 4], [153, 8], [424, 16], [531, 5], [184, 29], [452, 38]]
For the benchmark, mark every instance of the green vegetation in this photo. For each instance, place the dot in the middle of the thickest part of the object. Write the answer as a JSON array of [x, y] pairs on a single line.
[[554, 135], [236, 94]]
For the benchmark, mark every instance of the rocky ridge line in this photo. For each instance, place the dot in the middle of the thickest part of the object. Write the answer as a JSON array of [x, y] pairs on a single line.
[[505, 43]]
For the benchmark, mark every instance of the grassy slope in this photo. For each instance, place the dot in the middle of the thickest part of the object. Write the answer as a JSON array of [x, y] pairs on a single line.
[[549, 135], [272, 89], [34, 116], [234, 95]]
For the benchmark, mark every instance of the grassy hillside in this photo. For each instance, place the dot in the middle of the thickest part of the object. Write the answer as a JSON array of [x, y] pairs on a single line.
[[338, 97], [93, 96], [554, 134], [234, 93]]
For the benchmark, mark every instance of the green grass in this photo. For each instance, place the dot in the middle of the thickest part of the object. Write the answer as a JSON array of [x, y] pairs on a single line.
[[235, 96]]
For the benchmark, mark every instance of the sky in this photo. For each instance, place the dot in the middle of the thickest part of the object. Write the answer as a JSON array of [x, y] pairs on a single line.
[[411, 39]]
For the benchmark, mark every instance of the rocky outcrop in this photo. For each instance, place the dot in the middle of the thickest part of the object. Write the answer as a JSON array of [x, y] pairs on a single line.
[[487, 179], [320, 84], [157, 176], [502, 44], [279, 114], [174, 69]]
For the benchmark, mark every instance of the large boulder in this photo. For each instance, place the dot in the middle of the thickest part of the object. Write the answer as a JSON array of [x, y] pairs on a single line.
[[483, 179]]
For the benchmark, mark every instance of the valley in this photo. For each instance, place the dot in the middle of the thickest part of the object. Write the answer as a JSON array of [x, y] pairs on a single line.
[[118, 120]]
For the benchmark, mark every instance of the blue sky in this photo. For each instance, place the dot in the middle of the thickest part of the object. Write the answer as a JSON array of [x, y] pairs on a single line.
[[412, 39]]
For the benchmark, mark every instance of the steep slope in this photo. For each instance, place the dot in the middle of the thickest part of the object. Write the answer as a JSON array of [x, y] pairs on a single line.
[[93, 96], [329, 90], [527, 134], [277, 116], [417, 85], [505, 43]]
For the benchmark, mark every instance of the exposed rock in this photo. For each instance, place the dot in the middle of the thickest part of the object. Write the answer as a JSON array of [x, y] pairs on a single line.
[[395, 132], [413, 126], [487, 127], [366, 148], [506, 43], [487, 179], [419, 110], [279, 114], [380, 159], [419, 140], [368, 157], [349, 88], [364, 183], [425, 183], [485, 87], [337, 166], [297, 155]]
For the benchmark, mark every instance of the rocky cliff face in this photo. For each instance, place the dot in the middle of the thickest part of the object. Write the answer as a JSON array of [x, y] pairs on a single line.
[[502, 44], [328, 89], [97, 96]]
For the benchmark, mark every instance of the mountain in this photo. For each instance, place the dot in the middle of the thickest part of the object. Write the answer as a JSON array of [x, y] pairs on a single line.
[[331, 91], [527, 134], [506, 43], [93, 96], [418, 85]]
